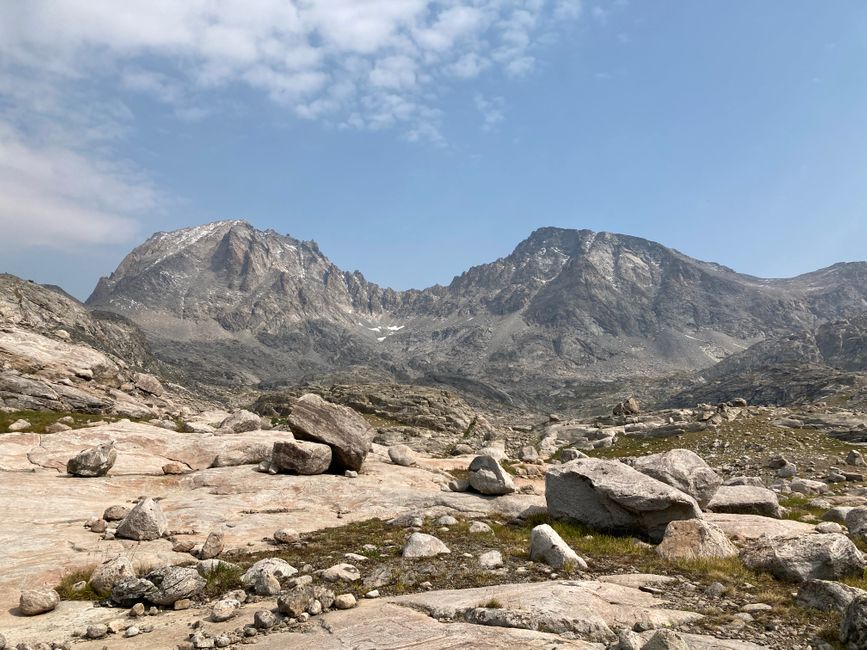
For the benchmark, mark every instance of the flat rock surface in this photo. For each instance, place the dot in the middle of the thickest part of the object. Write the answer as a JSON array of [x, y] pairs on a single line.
[[44, 511], [577, 605], [749, 527]]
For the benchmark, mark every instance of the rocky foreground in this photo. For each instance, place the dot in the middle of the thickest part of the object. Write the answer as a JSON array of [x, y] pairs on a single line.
[[201, 529]]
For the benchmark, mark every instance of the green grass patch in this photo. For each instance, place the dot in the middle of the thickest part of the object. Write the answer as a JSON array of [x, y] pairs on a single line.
[[223, 578], [799, 509], [40, 419], [66, 588]]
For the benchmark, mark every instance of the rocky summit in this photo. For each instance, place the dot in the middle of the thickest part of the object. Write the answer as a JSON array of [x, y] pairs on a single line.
[[594, 442], [558, 320]]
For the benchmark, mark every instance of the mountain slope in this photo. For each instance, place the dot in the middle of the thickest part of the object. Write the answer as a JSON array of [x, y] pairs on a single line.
[[566, 310]]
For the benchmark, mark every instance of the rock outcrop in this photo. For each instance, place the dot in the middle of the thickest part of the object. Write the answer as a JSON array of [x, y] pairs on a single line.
[[345, 431], [612, 497], [684, 470]]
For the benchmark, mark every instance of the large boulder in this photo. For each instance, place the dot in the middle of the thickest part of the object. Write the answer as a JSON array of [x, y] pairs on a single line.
[[488, 477], [174, 583], [827, 595], [547, 546], [128, 591], [745, 500], [38, 601], [684, 470], [856, 522], [144, 522], [109, 573], [345, 431], [299, 457], [148, 384], [93, 462], [610, 496], [251, 454], [629, 406], [853, 627], [830, 556], [692, 539], [242, 421]]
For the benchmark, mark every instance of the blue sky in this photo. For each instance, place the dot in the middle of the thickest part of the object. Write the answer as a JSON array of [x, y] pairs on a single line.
[[413, 139]]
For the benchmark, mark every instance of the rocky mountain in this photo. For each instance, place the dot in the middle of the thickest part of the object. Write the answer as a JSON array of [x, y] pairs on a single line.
[[826, 363], [55, 354], [568, 317]]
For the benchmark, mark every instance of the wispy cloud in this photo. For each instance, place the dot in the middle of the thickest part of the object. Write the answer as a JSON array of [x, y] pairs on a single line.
[[52, 196], [375, 51], [491, 110], [68, 69]]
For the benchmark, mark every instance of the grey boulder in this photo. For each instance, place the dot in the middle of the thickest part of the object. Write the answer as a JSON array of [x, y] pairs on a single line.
[[684, 470], [856, 522], [812, 557], [38, 601], [401, 455], [745, 500], [144, 522], [421, 545], [242, 421], [827, 595], [93, 462], [173, 583], [109, 573], [345, 431], [853, 627], [547, 546], [488, 477], [298, 457], [610, 496], [692, 539]]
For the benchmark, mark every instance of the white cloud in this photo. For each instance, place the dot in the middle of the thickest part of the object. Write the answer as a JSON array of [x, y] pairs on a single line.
[[70, 68], [52, 196], [293, 50], [491, 110]]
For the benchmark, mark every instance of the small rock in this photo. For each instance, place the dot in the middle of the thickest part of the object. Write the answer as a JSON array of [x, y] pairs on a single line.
[[421, 545], [401, 455], [666, 640], [345, 601], [115, 513], [242, 421], [175, 469], [286, 536], [341, 573], [264, 619], [488, 477], [491, 560], [547, 546], [478, 527], [19, 425], [213, 546], [224, 609], [97, 631]]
